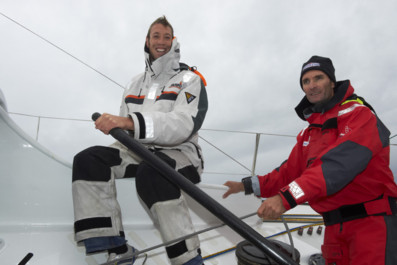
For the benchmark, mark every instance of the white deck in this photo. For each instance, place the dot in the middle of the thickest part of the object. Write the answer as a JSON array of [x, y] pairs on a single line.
[[37, 214]]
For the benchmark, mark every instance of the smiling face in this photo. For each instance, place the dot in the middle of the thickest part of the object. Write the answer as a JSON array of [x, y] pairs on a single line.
[[317, 86], [159, 41]]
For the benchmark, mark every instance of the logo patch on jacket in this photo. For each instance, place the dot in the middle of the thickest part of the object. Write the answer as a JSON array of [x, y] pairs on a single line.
[[176, 85], [189, 97], [296, 190]]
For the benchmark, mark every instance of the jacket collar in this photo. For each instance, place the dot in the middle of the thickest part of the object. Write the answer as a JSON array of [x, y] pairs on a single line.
[[305, 109], [168, 63]]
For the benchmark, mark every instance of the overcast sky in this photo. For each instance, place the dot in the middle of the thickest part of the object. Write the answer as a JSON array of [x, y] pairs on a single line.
[[250, 53]]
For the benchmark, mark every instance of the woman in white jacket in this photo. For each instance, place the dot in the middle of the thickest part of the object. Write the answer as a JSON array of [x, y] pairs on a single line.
[[163, 108]]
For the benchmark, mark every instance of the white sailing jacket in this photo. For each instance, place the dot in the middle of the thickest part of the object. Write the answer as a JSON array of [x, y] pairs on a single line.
[[168, 106]]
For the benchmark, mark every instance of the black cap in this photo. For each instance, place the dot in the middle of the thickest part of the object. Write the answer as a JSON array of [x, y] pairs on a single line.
[[319, 63]]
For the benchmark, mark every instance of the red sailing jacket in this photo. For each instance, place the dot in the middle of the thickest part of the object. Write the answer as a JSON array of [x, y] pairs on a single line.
[[341, 158]]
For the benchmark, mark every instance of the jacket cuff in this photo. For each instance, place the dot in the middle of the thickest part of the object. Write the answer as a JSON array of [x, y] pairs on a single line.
[[288, 200], [139, 125], [247, 185]]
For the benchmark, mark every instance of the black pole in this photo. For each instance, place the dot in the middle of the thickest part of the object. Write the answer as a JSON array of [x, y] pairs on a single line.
[[201, 197]]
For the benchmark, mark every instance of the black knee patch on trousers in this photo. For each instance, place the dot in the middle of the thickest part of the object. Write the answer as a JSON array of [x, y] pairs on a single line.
[[152, 187], [190, 172], [91, 223], [94, 163], [178, 249]]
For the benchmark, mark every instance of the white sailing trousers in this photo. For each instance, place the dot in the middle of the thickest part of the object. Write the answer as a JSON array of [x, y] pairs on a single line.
[[97, 211]]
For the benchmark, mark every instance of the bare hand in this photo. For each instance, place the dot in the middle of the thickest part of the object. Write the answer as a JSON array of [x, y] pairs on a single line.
[[106, 122], [234, 187], [272, 208]]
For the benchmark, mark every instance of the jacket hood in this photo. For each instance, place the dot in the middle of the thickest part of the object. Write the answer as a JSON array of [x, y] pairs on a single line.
[[342, 90], [169, 62]]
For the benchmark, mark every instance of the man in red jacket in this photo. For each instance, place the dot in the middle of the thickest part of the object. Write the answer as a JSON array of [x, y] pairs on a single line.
[[340, 165]]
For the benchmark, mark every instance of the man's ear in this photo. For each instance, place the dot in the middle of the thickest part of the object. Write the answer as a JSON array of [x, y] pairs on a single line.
[[147, 42]]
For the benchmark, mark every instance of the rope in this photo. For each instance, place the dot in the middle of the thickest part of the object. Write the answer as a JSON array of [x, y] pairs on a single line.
[[290, 238]]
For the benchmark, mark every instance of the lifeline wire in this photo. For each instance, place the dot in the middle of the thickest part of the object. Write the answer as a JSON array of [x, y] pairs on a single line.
[[62, 50], [224, 153]]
